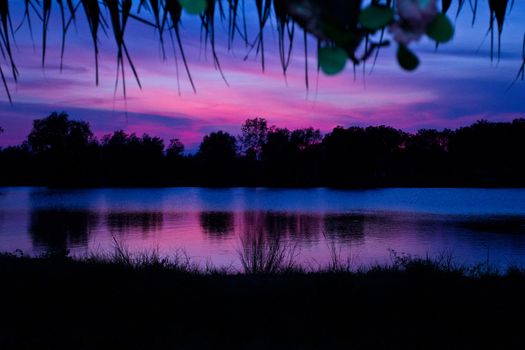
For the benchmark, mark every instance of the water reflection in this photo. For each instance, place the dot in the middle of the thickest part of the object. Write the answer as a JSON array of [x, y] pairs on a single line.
[[279, 224], [309, 226], [345, 227], [217, 225], [131, 222], [58, 230], [213, 223], [286, 224], [509, 225]]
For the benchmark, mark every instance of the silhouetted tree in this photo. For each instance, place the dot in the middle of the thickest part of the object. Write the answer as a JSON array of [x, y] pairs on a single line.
[[175, 149], [129, 159], [216, 157], [63, 149], [382, 147], [307, 167], [342, 155], [57, 133], [18, 166], [178, 168], [426, 158], [217, 147], [486, 152], [254, 134], [278, 157], [64, 152], [304, 138], [360, 156]]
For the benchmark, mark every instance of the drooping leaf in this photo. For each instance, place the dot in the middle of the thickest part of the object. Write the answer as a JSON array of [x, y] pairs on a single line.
[[119, 17], [193, 7], [445, 5], [46, 13], [208, 25], [306, 76], [285, 30], [174, 9], [5, 32], [406, 58], [92, 11], [71, 8], [376, 17], [263, 13], [332, 60], [441, 29], [499, 9], [232, 20]]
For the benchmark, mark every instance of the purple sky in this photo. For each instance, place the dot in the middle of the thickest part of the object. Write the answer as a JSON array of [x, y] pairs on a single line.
[[452, 87]]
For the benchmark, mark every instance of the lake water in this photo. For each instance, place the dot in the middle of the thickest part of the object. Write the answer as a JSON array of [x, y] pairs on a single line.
[[209, 224]]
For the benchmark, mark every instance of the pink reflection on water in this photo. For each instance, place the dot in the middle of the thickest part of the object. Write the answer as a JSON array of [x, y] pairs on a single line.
[[208, 224], [361, 240]]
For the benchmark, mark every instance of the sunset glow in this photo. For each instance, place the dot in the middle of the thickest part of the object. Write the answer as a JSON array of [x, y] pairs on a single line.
[[454, 86]]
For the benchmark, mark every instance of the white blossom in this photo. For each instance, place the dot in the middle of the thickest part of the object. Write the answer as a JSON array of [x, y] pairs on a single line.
[[414, 18]]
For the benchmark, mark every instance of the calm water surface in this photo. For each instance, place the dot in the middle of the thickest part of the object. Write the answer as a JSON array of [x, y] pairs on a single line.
[[208, 224]]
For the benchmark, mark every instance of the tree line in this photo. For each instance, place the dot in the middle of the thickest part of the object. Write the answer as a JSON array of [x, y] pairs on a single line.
[[63, 152]]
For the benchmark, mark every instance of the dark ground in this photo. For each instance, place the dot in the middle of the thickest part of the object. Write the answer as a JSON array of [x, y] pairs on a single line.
[[59, 303]]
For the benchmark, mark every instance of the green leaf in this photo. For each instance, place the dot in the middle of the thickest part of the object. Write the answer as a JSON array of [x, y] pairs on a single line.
[[441, 29], [406, 58], [376, 17], [340, 37], [193, 7], [331, 59]]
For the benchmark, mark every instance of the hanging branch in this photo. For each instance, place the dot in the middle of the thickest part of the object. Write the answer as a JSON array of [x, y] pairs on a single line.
[[174, 10], [26, 16], [208, 24], [5, 45], [92, 11], [232, 20], [119, 20], [498, 10], [155, 9], [345, 30], [65, 24], [46, 14], [263, 13], [285, 31]]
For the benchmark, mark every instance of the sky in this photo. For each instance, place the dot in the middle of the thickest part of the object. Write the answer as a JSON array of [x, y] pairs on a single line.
[[454, 86]]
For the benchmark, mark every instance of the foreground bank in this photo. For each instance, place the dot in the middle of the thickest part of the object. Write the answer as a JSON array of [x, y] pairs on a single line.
[[55, 302]]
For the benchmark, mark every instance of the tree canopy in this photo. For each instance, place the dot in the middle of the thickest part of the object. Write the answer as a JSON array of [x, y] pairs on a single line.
[[62, 152]]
